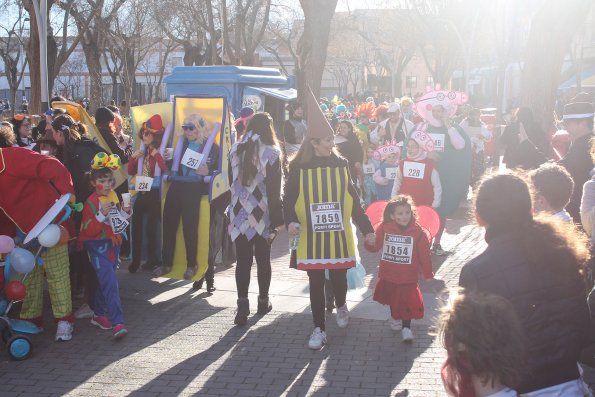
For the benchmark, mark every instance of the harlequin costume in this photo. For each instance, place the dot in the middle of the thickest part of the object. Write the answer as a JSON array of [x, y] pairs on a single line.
[[255, 212], [147, 202], [30, 183], [417, 176], [102, 237], [405, 252]]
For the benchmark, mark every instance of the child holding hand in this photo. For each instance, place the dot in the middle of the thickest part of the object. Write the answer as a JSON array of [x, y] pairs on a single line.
[[405, 251], [104, 221]]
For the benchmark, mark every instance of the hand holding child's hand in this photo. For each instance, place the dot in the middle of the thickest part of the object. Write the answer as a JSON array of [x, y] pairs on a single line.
[[371, 239], [293, 229], [127, 209]]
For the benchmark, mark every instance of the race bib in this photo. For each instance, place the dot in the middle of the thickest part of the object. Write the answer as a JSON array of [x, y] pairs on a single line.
[[143, 183], [326, 217], [117, 221], [397, 249], [439, 140], [192, 159], [391, 173], [413, 169], [369, 169]]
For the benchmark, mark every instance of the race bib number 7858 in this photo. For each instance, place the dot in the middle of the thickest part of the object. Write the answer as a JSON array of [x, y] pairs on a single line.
[[326, 217]]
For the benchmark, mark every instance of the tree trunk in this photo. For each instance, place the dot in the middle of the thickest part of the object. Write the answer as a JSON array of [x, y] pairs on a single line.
[[92, 56], [313, 44], [551, 33], [34, 61]]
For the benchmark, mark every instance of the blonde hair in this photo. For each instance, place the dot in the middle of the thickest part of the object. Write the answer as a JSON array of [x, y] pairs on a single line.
[[199, 123]]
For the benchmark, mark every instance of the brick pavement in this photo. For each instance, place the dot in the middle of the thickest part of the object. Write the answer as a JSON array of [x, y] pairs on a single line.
[[182, 342]]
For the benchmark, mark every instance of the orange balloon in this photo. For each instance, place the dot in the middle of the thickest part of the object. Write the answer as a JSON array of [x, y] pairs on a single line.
[[64, 236]]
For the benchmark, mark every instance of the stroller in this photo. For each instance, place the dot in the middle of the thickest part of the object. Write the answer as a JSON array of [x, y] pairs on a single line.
[[15, 266]]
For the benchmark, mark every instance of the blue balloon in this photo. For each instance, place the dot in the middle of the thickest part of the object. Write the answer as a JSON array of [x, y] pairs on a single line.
[[22, 260]]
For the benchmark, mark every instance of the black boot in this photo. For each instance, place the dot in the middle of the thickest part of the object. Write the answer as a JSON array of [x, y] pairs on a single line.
[[264, 305], [211, 284], [198, 284], [243, 312], [133, 267]]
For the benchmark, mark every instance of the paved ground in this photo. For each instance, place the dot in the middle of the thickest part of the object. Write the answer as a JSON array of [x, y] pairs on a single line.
[[183, 342]]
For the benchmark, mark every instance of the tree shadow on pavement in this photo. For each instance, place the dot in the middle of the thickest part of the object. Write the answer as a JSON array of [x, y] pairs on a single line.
[[93, 357], [271, 358]]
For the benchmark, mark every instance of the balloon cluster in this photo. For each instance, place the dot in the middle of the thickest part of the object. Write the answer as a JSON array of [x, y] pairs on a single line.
[[23, 261]]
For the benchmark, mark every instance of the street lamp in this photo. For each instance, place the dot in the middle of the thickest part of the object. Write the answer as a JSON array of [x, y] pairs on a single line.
[[41, 12]]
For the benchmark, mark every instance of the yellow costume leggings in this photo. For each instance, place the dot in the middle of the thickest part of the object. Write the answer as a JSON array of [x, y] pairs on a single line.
[[56, 268]]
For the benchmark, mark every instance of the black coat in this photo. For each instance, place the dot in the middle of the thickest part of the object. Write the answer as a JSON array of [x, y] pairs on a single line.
[[551, 305]]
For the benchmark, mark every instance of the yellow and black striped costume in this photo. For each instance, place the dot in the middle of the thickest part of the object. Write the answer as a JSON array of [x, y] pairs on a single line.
[[334, 249]]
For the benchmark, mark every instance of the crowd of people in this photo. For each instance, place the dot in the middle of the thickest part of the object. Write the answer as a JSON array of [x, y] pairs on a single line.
[[521, 322]]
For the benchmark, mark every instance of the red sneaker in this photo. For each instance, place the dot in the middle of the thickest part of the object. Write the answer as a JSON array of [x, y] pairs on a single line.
[[102, 322], [120, 331]]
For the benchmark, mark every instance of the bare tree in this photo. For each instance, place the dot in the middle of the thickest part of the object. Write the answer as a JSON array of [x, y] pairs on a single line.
[[282, 34], [68, 81], [94, 41], [552, 30], [12, 43], [313, 44]]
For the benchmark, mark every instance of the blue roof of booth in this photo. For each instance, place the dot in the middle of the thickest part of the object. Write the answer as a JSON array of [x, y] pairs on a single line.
[[226, 74]]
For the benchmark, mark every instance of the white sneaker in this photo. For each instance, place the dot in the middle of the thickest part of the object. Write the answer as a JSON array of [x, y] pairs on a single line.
[[64, 331], [342, 316], [407, 335], [83, 312], [395, 325], [317, 339]]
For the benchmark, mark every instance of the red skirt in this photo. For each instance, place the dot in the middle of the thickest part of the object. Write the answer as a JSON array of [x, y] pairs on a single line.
[[405, 300]]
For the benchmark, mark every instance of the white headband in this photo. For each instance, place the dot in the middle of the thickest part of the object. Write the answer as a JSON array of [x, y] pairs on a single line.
[[578, 116]]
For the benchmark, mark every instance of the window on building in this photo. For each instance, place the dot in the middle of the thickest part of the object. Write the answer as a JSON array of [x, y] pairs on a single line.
[[411, 81], [429, 81]]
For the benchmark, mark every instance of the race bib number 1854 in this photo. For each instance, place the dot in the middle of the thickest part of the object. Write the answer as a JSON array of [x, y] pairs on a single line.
[[326, 217], [397, 249]]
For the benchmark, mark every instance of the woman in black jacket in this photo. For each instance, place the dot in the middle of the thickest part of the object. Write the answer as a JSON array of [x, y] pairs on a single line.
[[535, 263], [350, 147]]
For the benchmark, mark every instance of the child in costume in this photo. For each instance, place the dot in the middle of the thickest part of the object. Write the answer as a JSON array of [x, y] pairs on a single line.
[[484, 358], [405, 251], [553, 187], [104, 222], [416, 176], [184, 197], [386, 173], [147, 202], [320, 201], [369, 168]]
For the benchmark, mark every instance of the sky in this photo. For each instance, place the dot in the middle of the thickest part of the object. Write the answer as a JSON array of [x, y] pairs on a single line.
[[345, 5]]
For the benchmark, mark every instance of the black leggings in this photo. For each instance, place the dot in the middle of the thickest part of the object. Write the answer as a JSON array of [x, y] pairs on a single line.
[[338, 280], [245, 251], [147, 203], [182, 202]]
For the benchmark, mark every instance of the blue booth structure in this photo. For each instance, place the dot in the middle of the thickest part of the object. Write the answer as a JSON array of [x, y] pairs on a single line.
[[263, 89]]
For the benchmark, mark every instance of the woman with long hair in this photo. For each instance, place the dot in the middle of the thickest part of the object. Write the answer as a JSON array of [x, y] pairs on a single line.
[[320, 201], [255, 210], [535, 262]]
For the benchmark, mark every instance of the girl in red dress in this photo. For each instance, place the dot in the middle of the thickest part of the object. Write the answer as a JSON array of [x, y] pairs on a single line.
[[405, 251]]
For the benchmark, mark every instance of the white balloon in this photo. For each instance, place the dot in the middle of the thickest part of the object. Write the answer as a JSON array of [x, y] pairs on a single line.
[[50, 236]]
